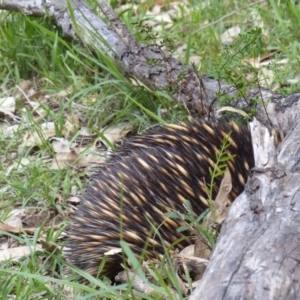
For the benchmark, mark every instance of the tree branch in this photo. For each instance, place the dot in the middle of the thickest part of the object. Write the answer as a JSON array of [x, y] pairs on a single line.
[[148, 64]]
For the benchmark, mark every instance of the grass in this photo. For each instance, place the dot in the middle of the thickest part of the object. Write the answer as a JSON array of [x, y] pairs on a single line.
[[33, 49]]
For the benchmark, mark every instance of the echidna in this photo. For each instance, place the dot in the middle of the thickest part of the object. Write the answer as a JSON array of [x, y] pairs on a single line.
[[150, 175]]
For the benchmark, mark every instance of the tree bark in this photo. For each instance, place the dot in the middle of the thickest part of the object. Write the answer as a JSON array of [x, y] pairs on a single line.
[[187, 86], [258, 250]]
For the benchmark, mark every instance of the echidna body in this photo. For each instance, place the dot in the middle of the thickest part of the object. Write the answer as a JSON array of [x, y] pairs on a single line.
[[150, 175]]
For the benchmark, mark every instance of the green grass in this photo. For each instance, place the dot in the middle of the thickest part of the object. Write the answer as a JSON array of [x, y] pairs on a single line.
[[33, 49]]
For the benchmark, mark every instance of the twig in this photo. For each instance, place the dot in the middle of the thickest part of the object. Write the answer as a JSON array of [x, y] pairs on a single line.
[[119, 28]]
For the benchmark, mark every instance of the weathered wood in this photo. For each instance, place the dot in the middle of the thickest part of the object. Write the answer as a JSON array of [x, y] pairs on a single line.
[[258, 251]]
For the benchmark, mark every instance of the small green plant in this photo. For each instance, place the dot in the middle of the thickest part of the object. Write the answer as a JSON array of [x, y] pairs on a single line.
[[229, 66], [196, 225], [218, 170]]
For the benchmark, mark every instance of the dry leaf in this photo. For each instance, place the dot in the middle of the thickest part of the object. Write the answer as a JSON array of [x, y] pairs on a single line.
[[84, 132], [116, 132], [266, 77], [258, 21], [23, 88], [8, 104], [16, 253], [188, 260], [61, 145], [201, 249], [17, 165], [17, 230], [221, 202], [71, 126], [46, 131], [294, 80], [64, 93], [9, 131], [15, 218], [228, 36], [196, 60], [50, 247], [78, 160], [74, 200]]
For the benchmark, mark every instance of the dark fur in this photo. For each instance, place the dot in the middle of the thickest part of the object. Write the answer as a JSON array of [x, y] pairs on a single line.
[[147, 167]]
